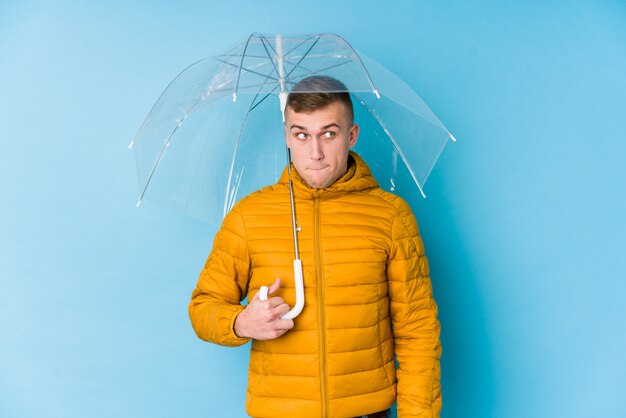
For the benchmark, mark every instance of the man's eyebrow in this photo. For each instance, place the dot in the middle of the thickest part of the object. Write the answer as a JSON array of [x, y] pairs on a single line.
[[330, 125]]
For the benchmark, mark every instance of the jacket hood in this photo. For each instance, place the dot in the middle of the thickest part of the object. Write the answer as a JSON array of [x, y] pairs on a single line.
[[358, 178]]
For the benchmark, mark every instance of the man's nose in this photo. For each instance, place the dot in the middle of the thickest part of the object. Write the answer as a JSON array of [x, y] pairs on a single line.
[[317, 153]]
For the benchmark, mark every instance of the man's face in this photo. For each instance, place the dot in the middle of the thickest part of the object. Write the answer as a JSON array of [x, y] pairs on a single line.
[[319, 143]]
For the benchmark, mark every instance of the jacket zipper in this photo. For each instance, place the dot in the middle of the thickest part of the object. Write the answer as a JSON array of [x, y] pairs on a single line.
[[320, 308]]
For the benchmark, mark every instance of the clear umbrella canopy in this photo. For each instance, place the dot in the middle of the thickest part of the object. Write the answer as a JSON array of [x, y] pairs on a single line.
[[216, 133]]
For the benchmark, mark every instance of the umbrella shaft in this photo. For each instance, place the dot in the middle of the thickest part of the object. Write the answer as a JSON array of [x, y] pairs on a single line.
[[281, 62], [294, 222]]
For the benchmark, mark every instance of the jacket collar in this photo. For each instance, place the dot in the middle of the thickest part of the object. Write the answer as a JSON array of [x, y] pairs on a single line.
[[357, 178]]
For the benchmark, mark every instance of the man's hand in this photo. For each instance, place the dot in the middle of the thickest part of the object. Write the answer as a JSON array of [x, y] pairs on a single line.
[[261, 319]]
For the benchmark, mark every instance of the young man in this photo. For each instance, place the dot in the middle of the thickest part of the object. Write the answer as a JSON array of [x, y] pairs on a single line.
[[367, 287]]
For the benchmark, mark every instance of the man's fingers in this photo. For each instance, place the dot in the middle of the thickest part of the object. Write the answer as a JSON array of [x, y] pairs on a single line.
[[284, 324], [281, 308], [276, 301]]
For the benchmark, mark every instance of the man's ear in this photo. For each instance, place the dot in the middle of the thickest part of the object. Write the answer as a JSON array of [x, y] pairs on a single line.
[[354, 135]]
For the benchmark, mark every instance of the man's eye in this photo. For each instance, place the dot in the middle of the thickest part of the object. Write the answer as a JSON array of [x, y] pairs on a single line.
[[302, 135], [329, 135]]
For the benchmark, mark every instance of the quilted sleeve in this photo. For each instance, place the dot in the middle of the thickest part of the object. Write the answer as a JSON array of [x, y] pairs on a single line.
[[223, 283], [414, 318]]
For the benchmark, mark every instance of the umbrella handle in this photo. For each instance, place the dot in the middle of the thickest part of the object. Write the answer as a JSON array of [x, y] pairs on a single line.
[[299, 281]]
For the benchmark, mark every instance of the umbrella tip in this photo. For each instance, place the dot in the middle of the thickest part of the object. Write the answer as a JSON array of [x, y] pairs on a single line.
[[234, 97], [421, 190], [452, 137], [377, 94], [138, 202], [132, 144]]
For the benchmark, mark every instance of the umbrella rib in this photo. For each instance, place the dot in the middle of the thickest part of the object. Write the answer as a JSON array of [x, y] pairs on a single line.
[[265, 43], [228, 200], [243, 56], [303, 56], [245, 69], [369, 78], [393, 142], [239, 56], [160, 157], [241, 87], [303, 42], [132, 144], [254, 105], [325, 68]]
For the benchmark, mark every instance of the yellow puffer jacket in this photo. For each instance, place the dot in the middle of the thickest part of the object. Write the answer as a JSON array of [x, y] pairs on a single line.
[[367, 295]]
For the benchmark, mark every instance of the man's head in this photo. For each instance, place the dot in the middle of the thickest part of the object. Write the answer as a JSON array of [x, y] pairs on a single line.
[[319, 129]]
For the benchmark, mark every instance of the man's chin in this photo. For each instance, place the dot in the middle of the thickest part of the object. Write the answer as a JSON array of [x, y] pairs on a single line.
[[321, 184]]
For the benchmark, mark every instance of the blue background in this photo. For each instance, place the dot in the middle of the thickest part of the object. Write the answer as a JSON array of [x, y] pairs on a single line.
[[524, 221]]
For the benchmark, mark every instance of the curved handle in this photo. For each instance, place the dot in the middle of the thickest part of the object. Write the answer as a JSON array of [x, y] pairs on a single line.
[[299, 282]]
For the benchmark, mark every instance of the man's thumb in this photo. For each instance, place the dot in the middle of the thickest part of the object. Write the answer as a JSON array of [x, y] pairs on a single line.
[[275, 286]]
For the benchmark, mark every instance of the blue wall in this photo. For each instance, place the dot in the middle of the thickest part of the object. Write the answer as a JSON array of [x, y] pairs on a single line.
[[524, 220]]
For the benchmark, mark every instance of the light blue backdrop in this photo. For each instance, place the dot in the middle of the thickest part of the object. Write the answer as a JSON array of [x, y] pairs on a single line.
[[524, 221]]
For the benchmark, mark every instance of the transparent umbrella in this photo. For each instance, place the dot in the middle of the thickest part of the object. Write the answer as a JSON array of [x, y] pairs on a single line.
[[216, 133]]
